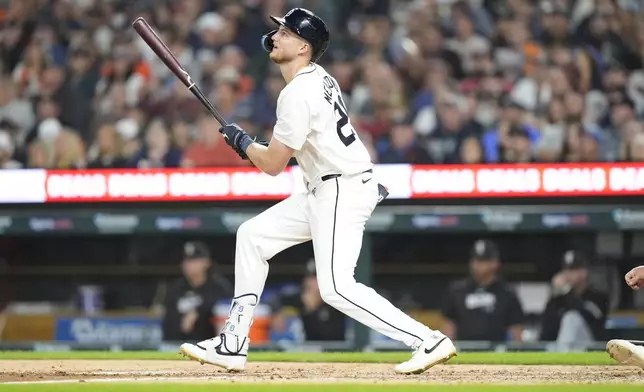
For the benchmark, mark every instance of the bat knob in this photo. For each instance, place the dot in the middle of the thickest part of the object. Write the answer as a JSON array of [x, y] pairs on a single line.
[[140, 19]]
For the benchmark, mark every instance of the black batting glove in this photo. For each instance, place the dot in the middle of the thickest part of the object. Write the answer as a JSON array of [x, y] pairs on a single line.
[[236, 137]]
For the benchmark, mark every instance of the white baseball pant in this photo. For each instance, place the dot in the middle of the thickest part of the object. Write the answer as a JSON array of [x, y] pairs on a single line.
[[333, 216]]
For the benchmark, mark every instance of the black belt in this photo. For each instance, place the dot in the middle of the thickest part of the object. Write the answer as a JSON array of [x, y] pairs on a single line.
[[332, 176]]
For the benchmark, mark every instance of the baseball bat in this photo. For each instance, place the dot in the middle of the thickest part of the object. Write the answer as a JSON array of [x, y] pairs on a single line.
[[145, 31]]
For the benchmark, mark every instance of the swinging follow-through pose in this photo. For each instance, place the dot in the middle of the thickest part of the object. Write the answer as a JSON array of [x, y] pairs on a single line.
[[313, 126]]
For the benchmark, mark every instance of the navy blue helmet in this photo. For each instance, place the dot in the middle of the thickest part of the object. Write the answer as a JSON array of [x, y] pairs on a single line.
[[307, 26]]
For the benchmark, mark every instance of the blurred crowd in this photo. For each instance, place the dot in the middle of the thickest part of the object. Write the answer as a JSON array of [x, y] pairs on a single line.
[[426, 81]]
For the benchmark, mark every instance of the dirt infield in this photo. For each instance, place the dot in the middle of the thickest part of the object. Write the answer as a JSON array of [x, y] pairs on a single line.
[[88, 370]]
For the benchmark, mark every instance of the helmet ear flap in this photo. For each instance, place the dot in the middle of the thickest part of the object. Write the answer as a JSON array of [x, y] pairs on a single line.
[[317, 54], [267, 41]]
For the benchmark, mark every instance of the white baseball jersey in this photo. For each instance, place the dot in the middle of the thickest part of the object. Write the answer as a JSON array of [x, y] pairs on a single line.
[[313, 120]]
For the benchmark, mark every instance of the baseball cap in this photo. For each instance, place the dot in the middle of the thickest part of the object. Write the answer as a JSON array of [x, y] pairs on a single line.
[[574, 259], [484, 250], [195, 250]]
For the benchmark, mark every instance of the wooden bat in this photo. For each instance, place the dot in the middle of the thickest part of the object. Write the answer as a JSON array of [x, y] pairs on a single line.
[[145, 31]]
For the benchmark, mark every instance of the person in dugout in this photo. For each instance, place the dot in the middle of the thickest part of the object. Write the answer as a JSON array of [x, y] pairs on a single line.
[[319, 321], [482, 307], [575, 315], [190, 300]]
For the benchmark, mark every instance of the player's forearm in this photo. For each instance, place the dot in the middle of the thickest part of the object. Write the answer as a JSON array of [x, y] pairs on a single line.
[[263, 159], [574, 302]]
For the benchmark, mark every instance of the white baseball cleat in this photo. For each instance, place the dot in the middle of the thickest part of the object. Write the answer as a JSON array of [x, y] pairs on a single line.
[[217, 351], [431, 353], [626, 353]]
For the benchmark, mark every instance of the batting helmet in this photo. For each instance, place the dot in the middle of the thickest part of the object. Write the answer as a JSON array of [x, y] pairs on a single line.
[[307, 26]]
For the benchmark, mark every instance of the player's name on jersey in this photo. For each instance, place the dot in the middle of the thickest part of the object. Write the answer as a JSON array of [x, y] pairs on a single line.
[[403, 181]]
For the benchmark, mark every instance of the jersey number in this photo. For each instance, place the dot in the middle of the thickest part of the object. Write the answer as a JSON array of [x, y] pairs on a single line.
[[342, 122]]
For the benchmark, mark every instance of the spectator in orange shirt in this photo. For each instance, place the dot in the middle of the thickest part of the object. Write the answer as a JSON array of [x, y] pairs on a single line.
[[210, 149]]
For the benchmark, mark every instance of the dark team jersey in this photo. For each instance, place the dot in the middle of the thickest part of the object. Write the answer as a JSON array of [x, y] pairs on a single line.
[[482, 313], [181, 298], [592, 305]]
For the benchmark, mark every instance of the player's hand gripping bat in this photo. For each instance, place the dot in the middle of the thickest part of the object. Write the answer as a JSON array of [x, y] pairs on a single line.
[[145, 31]]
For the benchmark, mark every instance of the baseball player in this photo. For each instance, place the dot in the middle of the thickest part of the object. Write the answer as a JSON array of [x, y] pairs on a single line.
[[313, 126], [624, 351]]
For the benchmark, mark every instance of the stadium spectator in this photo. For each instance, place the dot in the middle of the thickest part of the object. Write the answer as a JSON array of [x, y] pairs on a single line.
[[77, 91], [128, 129], [38, 156], [157, 151], [502, 143], [263, 100], [15, 109], [402, 146], [106, 153], [182, 133], [452, 127], [6, 150], [68, 150], [471, 151], [634, 151], [210, 149]]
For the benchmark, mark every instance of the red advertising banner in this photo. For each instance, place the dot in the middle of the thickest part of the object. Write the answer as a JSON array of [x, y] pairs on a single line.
[[403, 181], [527, 180], [167, 185]]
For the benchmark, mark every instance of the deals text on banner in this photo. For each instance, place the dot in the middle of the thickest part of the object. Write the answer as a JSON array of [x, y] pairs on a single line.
[[403, 181], [170, 185], [527, 180]]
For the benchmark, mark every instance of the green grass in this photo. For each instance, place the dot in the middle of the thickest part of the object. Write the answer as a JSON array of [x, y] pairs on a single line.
[[195, 387], [512, 358]]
